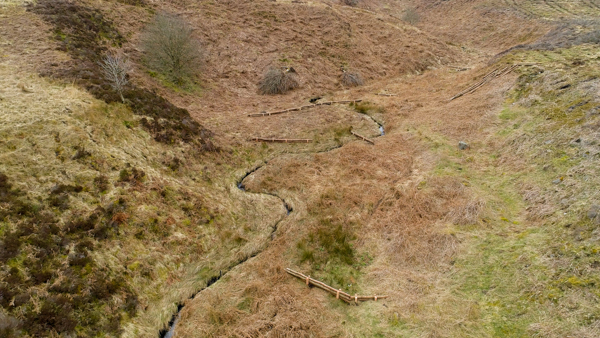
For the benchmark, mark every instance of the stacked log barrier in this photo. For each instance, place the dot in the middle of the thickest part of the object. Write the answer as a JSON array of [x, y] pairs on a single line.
[[327, 103], [487, 78], [281, 140], [339, 294]]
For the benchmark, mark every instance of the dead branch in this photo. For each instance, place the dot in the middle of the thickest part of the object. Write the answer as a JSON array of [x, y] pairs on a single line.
[[362, 137]]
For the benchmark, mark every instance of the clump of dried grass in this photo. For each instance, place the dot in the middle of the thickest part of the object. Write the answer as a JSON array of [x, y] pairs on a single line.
[[467, 213], [412, 230], [277, 81], [352, 79]]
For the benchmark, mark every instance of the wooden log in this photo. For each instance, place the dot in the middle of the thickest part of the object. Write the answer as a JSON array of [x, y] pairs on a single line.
[[281, 140], [327, 103], [475, 85], [362, 137], [458, 68], [268, 114], [384, 94], [489, 77], [339, 294]]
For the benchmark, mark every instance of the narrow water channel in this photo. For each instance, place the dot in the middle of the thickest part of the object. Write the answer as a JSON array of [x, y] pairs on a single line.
[[240, 185]]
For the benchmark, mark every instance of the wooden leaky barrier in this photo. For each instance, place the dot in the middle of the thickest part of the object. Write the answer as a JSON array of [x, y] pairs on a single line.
[[327, 103], [281, 140], [487, 78], [339, 294]]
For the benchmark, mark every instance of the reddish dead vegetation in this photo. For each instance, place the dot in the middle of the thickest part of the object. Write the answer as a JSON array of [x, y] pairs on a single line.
[[406, 220], [86, 35]]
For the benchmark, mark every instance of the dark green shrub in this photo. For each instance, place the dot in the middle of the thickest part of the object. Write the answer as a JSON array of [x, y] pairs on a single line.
[[101, 182], [132, 175], [328, 242]]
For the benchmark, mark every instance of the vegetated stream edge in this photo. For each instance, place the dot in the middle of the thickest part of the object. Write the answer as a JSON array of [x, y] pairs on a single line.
[[170, 330]]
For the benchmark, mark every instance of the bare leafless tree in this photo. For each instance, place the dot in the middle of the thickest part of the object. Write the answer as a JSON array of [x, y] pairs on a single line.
[[115, 68], [171, 49]]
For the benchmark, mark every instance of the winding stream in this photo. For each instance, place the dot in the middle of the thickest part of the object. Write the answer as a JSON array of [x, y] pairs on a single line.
[[240, 185]]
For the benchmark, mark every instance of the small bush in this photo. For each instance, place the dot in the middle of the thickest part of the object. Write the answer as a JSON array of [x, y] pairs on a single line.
[[411, 16], [350, 2], [171, 49], [133, 176], [101, 182], [352, 79], [277, 81]]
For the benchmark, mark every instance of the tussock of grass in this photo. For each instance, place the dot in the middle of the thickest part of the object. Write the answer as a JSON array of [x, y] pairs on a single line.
[[277, 81], [351, 79]]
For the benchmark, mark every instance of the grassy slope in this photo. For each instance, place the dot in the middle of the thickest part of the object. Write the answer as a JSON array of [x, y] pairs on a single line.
[[534, 272]]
